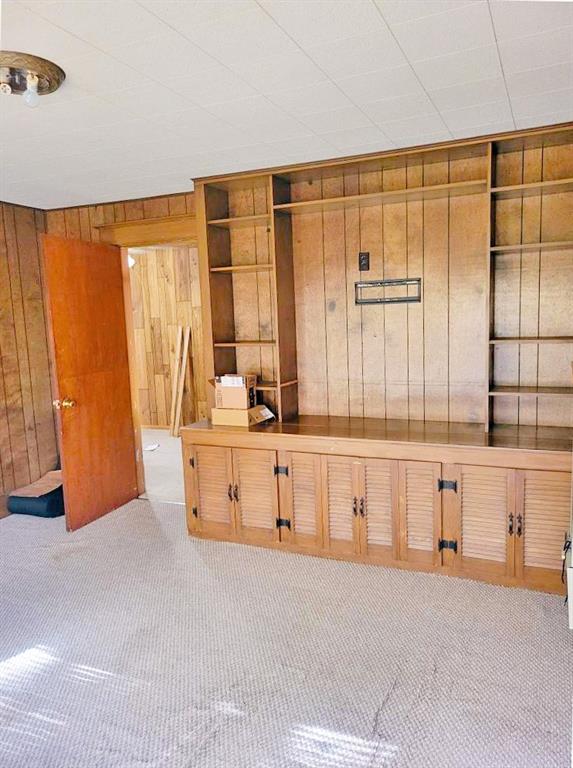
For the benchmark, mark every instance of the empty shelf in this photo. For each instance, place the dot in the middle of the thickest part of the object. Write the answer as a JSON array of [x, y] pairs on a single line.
[[265, 343], [547, 246], [531, 391], [532, 340], [391, 196], [244, 268], [535, 188], [241, 221]]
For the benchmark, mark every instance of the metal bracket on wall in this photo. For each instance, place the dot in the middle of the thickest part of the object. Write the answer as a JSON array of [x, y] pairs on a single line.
[[390, 283]]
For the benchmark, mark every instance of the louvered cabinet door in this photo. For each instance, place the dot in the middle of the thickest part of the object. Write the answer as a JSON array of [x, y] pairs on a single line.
[[419, 511], [212, 510], [543, 519], [340, 495], [301, 499], [255, 493], [378, 509], [486, 504]]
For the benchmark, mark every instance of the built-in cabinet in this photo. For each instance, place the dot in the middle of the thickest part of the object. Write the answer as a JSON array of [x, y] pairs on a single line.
[[490, 523]]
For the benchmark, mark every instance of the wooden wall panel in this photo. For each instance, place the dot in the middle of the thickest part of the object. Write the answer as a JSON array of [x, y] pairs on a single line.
[[165, 294], [27, 432], [415, 361]]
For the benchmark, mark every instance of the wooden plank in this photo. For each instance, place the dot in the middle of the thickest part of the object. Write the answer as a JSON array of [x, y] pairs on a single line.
[[181, 382], [175, 368]]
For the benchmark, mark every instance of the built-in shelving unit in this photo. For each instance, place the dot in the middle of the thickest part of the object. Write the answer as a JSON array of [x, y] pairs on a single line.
[[429, 213], [531, 271]]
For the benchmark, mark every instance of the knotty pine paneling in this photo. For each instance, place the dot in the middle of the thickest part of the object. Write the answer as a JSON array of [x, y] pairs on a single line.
[[27, 431], [165, 293], [403, 361]]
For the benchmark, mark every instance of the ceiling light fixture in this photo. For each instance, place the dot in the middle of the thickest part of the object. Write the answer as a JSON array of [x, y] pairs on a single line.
[[32, 76]]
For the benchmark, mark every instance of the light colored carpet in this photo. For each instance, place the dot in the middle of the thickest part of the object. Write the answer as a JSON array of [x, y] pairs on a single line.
[[129, 645], [163, 466]]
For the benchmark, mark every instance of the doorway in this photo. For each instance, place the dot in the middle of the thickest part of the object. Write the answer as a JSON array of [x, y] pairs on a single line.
[[165, 301]]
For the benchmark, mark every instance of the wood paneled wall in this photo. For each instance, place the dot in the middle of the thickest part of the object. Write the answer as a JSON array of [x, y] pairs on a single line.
[[403, 361], [27, 431], [82, 222], [165, 293]]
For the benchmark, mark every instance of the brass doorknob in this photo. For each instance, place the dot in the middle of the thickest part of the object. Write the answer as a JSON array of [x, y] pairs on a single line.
[[67, 402]]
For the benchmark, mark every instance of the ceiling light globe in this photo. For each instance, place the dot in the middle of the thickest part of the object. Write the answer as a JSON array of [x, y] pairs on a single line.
[[31, 97]]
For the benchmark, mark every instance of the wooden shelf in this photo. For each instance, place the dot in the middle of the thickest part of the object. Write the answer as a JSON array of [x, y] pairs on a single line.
[[272, 385], [547, 246], [377, 198], [241, 221], [265, 343], [533, 340], [531, 391], [536, 188], [243, 268]]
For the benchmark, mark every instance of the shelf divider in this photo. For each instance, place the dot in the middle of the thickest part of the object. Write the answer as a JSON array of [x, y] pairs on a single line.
[[532, 340], [241, 221], [504, 391], [545, 246], [535, 188]]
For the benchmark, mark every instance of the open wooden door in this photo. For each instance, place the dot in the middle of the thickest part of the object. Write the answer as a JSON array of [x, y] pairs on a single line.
[[85, 299]]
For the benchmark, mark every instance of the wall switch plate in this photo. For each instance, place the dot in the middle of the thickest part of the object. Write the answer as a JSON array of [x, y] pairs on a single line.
[[364, 261]]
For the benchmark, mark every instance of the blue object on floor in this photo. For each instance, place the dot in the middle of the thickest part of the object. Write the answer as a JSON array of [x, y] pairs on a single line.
[[50, 504]]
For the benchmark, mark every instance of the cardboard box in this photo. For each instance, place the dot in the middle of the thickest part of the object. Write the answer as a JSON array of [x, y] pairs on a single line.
[[238, 417], [235, 391]]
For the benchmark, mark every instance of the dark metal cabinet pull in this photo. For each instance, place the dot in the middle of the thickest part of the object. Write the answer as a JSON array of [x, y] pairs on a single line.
[[355, 506], [230, 492], [362, 507], [519, 525], [510, 528], [236, 492]]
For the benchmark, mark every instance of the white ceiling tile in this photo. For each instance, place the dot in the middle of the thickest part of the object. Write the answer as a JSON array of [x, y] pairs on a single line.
[[346, 139], [457, 30], [185, 15], [314, 98], [356, 55], [531, 81], [415, 126], [23, 30], [166, 53], [306, 148], [338, 119], [211, 86], [468, 94], [460, 119], [551, 118], [418, 139], [306, 22], [246, 35], [273, 72], [96, 71], [105, 24], [384, 84], [535, 51], [544, 103], [484, 129], [457, 68], [400, 108], [520, 19], [148, 100], [398, 11]]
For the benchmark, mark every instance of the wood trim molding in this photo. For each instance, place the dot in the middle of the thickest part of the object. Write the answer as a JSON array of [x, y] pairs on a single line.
[[166, 229]]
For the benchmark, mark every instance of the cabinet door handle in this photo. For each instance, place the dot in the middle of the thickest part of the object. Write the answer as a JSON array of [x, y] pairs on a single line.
[[510, 528], [355, 506], [230, 492], [362, 506], [236, 492], [519, 525]]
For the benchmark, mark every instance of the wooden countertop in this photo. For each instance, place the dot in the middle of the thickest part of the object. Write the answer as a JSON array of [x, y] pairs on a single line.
[[505, 445]]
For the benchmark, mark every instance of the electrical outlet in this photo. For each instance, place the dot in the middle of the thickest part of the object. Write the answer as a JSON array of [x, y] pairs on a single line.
[[364, 261]]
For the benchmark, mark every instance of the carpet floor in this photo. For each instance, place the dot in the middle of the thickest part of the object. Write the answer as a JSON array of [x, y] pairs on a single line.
[[129, 645]]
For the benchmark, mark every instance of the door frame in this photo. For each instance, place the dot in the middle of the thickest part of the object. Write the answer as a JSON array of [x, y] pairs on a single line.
[[141, 233]]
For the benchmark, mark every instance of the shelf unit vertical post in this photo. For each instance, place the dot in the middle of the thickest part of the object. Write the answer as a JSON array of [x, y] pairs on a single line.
[[489, 288]]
